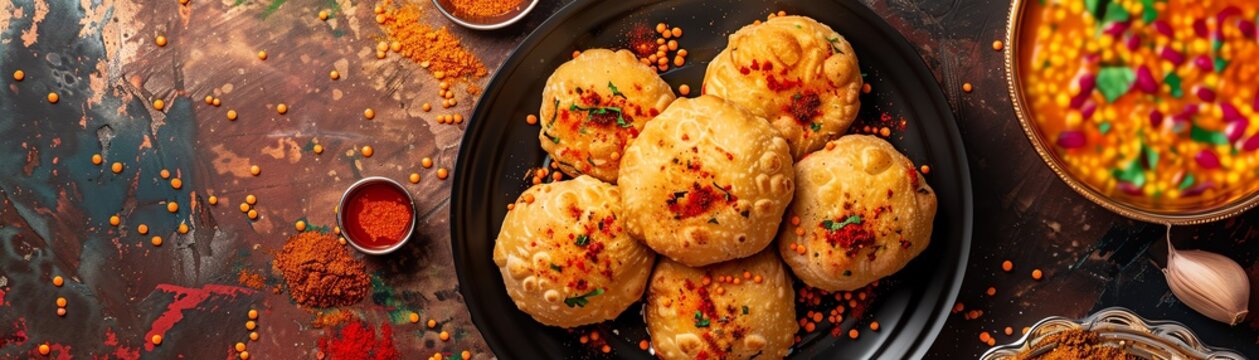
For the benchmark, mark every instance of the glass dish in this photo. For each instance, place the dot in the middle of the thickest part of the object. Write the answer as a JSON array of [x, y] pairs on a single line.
[[1118, 327]]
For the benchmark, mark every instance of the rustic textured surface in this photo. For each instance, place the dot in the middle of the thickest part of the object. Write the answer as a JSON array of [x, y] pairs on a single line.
[[99, 56]]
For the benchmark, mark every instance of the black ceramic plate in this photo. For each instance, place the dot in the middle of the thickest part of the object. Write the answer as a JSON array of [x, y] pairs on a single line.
[[499, 148]]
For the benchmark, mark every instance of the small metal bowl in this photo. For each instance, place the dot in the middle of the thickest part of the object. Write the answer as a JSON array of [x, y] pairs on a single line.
[[369, 181], [486, 23], [1118, 327], [1213, 211]]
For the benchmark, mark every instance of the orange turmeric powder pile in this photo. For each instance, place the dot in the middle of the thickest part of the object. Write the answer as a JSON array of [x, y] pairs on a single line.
[[435, 49], [484, 8]]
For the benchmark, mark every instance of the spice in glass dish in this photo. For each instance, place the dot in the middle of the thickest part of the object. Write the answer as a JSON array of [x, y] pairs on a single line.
[[485, 8], [1075, 344], [377, 216], [1148, 102]]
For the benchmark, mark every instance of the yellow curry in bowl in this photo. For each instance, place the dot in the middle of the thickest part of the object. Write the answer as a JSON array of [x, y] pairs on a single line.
[[1151, 103]]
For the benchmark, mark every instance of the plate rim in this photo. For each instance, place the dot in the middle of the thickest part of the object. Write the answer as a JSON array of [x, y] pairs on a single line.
[[925, 339]]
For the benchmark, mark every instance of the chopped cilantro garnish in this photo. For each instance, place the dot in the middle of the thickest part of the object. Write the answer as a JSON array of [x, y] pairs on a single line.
[[615, 91], [1207, 136], [713, 221], [557, 268], [1186, 183], [583, 299], [700, 320], [1173, 81], [833, 226], [601, 110], [583, 240], [816, 127], [745, 309]]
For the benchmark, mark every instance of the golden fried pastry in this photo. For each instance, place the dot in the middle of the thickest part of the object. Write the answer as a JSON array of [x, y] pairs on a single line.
[[794, 71], [732, 310], [565, 256], [706, 182], [594, 105], [864, 210]]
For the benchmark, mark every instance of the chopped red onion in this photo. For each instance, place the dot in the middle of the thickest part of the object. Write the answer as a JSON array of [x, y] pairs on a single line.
[[1116, 28], [1247, 28], [1156, 118], [1230, 112], [1087, 110], [1172, 55], [1134, 42], [1129, 188], [1204, 62], [1198, 189], [1071, 139], [1163, 28], [1088, 82], [1145, 80], [1251, 144], [1228, 12], [1200, 28], [1206, 94], [1207, 159], [1235, 130]]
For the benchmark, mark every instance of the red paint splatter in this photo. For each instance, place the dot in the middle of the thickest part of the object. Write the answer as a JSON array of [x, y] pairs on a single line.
[[17, 337], [185, 299], [358, 341], [120, 352]]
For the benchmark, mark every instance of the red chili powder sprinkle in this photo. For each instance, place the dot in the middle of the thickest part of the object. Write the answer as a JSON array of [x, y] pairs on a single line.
[[358, 341], [851, 237], [804, 107], [642, 40], [691, 203]]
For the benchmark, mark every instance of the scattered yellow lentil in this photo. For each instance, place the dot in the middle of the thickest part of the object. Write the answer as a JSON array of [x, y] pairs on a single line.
[[323, 14], [368, 151], [160, 41], [214, 200], [369, 114], [318, 149], [250, 325], [183, 228], [231, 115], [426, 162], [159, 104], [967, 87], [444, 335], [255, 170], [414, 178], [442, 173], [300, 225], [997, 45], [414, 317], [253, 214], [684, 89], [282, 108], [262, 55], [334, 75]]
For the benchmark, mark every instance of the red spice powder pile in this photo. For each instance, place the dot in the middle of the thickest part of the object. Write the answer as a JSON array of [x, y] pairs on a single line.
[[386, 219], [358, 341]]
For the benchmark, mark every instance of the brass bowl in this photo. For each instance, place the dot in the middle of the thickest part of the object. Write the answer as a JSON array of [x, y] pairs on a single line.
[[1121, 328], [1044, 147]]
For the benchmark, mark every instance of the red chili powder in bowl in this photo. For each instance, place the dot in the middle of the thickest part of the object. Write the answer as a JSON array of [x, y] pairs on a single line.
[[377, 216]]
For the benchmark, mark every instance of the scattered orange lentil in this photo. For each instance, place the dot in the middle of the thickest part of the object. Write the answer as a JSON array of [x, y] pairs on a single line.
[[214, 200], [282, 108], [209, 100], [426, 162], [866, 88], [216, 102], [997, 45], [853, 333], [156, 339], [53, 97], [160, 41], [252, 214], [444, 335], [1007, 265], [114, 220], [606, 349], [431, 323], [967, 87], [369, 114], [924, 169], [644, 345], [465, 355], [240, 346], [244, 355], [415, 318], [958, 307], [61, 312], [44, 349], [427, 107], [250, 325], [58, 281], [1009, 330], [231, 115], [19, 75], [165, 174], [442, 173], [97, 159], [251, 199], [253, 336], [262, 55], [61, 302], [992, 291], [323, 14], [531, 119], [684, 89], [183, 228], [159, 104], [142, 229], [318, 149], [984, 337], [176, 183], [414, 178], [156, 241], [1037, 274], [368, 151], [334, 75], [874, 326], [116, 167], [300, 225], [172, 207], [255, 170], [244, 207]]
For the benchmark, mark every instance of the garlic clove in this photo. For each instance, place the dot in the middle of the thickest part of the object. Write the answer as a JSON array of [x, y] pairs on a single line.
[[1209, 283]]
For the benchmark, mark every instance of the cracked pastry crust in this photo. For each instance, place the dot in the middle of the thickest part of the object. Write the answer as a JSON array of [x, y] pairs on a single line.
[[794, 71], [706, 182], [698, 313], [565, 256], [595, 105], [864, 210]]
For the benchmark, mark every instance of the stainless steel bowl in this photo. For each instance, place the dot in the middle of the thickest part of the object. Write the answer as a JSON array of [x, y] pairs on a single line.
[[1118, 327], [375, 180], [488, 23]]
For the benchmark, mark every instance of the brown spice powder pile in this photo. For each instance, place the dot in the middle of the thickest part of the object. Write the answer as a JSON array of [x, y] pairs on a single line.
[[1076, 344], [251, 280], [484, 8], [320, 272], [441, 50]]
